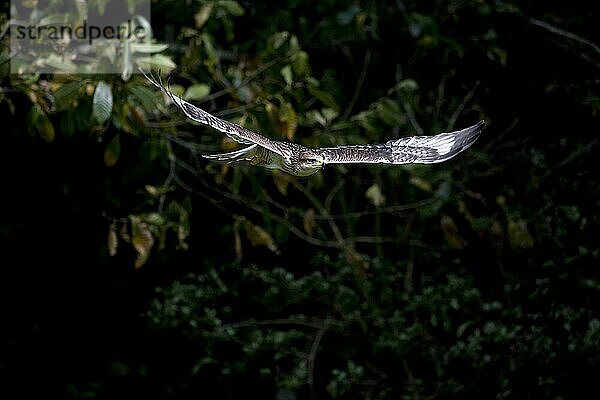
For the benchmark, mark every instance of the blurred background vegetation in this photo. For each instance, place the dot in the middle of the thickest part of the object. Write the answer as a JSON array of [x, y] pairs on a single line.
[[132, 267]]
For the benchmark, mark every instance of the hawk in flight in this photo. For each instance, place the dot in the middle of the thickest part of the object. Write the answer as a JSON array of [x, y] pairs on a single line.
[[304, 161]]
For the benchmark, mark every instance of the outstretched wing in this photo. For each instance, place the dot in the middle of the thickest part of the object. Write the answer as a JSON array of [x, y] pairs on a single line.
[[415, 149], [234, 131]]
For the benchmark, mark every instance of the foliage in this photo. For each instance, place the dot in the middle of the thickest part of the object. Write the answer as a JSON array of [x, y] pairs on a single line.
[[470, 279]]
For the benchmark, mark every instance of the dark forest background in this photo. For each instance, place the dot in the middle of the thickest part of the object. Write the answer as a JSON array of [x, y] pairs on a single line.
[[133, 268]]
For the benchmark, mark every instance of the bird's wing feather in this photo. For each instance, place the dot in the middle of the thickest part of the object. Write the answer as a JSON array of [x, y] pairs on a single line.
[[415, 149], [244, 154], [234, 131]]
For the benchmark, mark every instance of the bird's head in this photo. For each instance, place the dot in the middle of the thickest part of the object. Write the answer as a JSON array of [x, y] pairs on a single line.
[[310, 161]]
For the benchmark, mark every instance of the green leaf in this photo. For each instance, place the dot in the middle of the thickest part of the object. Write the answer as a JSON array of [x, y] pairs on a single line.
[[148, 48], [347, 16], [67, 94], [142, 240], [202, 16], [375, 195], [258, 236], [329, 114], [112, 240], [300, 64], [209, 47], [278, 39], [315, 117], [409, 85], [154, 218], [127, 63], [157, 61], [178, 214], [196, 92], [420, 183], [309, 221], [112, 151], [144, 24], [450, 229], [103, 102], [281, 182], [288, 121], [233, 7], [286, 72], [323, 96], [389, 111], [41, 124], [518, 234], [177, 90], [144, 94], [60, 63]]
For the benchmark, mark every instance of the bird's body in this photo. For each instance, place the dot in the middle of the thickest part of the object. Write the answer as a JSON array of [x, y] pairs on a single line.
[[303, 161]]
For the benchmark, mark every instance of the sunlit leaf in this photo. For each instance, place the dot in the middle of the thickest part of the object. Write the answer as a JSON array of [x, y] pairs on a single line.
[[157, 61], [258, 236], [300, 64], [141, 239], [367, 121], [148, 48], [127, 68], [294, 44], [278, 39], [420, 183], [82, 9], [177, 90], [183, 231], [286, 73], [203, 14], [289, 121], [138, 115], [408, 85], [329, 114], [196, 92], [282, 181], [272, 112], [103, 102], [233, 7], [309, 222], [315, 117], [375, 196], [153, 218], [29, 3]]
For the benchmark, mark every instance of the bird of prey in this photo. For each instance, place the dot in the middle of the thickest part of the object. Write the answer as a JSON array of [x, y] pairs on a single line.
[[304, 161]]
